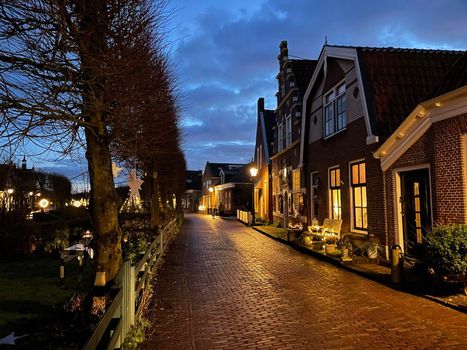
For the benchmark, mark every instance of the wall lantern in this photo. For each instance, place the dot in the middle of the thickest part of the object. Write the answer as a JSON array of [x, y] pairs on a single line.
[[253, 171]]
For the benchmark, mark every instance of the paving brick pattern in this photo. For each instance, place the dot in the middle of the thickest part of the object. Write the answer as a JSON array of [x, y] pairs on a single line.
[[226, 286]]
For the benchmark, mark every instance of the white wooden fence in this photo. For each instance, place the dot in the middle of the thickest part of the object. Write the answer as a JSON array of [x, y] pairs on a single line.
[[244, 216], [130, 283]]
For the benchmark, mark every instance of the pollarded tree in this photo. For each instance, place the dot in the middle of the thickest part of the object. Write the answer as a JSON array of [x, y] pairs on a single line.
[[57, 62]]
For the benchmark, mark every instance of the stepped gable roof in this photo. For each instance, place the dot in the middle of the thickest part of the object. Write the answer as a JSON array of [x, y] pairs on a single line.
[[396, 80], [303, 70], [455, 78]]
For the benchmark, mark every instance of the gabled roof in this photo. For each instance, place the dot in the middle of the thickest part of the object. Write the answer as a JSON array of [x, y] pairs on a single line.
[[303, 70], [455, 78], [397, 80], [215, 168]]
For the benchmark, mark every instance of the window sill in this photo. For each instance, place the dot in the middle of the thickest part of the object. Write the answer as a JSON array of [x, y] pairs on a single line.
[[337, 132], [358, 233]]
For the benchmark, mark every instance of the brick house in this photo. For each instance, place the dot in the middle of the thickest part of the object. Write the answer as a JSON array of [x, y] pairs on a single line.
[[356, 99], [425, 164], [288, 185], [225, 183], [263, 150]]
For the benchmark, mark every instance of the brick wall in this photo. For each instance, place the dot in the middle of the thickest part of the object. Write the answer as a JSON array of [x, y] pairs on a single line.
[[441, 147], [341, 149]]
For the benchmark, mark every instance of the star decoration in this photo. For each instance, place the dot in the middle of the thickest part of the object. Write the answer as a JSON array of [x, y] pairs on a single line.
[[11, 339], [134, 183], [115, 169]]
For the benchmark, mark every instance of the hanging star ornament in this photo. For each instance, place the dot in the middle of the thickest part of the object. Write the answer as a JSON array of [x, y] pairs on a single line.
[[10, 339], [134, 183], [115, 169]]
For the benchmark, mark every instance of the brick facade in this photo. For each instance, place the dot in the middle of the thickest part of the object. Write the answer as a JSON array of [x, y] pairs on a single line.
[[442, 147]]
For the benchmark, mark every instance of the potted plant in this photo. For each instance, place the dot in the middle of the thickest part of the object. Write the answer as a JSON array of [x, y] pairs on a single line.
[[330, 246], [446, 254], [345, 245], [372, 247]]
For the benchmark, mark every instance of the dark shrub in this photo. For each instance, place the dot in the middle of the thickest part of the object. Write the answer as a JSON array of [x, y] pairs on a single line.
[[446, 250]]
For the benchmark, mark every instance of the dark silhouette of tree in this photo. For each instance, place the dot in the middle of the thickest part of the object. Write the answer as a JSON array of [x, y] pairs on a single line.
[[58, 73]]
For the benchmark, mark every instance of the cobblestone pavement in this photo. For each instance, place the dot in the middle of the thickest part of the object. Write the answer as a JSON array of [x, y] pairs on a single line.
[[226, 286]]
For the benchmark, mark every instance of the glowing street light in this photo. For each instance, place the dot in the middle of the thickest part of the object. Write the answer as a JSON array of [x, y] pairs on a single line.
[[10, 191], [211, 189], [43, 203], [253, 173]]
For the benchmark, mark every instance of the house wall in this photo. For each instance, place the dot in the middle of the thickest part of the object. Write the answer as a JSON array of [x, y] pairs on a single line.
[[442, 147], [340, 150]]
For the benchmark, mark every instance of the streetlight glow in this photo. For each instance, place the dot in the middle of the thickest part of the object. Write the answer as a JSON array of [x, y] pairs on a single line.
[[211, 189], [10, 191], [253, 171], [43, 203]]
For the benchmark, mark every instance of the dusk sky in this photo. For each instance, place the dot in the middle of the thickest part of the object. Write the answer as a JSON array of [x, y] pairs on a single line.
[[224, 55]]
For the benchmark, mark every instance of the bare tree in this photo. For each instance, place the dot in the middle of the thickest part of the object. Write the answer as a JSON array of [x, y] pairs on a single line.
[[57, 75]]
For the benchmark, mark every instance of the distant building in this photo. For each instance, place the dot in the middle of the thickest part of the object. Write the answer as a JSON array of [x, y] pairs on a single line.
[[225, 188], [192, 195], [266, 121]]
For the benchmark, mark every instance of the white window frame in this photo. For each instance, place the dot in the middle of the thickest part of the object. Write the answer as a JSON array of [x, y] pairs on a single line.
[[280, 135], [352, 216], [330, 206], [330, 102]]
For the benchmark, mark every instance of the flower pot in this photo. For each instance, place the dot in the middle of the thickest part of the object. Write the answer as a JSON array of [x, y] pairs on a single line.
[[330, 248], [372, 253]]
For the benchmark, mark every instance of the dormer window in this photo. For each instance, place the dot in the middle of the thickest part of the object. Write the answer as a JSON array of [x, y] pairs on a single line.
[[335, 118]]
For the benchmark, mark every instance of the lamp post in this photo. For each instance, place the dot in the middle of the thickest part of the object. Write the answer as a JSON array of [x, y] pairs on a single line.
[[253, 173], [211, 190]]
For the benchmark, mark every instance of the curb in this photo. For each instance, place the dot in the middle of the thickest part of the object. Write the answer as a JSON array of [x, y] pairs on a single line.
[[374, 278]]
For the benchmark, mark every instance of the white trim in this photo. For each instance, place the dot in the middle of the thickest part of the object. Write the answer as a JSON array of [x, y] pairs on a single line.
[[449, 105], [352, 229], [230, 185], [312, 194], [343, 53], [399, 223]]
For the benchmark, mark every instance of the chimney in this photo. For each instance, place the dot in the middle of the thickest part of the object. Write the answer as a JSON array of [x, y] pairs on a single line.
[[284, 52], [260, 104]]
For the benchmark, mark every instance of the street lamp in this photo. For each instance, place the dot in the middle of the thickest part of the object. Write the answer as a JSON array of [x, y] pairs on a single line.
[[43, 203], [211, 190], [253, 173]]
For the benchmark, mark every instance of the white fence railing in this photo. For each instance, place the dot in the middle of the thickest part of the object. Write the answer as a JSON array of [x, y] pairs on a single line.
[[130, 282], [244, 216]]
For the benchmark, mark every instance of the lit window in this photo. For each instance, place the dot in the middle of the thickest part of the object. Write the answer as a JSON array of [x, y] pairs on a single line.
[[359, 201], [335, 193], [335, 110], [296, 180]]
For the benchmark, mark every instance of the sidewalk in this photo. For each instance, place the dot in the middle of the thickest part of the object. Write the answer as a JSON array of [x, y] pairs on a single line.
[[376, 272]]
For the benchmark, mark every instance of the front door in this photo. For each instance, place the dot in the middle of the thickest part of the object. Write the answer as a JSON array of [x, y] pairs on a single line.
[[416, 209]]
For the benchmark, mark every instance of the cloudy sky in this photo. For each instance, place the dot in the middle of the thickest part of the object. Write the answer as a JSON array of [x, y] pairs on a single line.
[[224, 55]]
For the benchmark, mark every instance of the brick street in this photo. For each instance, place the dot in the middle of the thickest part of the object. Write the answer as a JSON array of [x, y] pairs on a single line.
[[226, 286]]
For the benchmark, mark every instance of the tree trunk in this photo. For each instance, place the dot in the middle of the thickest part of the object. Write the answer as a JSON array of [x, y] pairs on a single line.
[[103, 199], [103, 207], [154, 219], [179, 209]]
